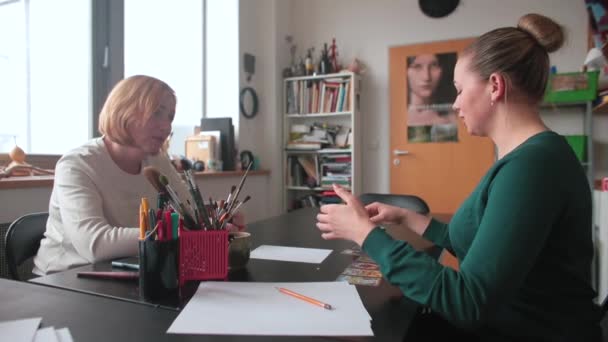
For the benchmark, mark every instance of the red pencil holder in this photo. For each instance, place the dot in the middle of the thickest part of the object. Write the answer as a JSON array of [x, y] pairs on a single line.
[[203, 255]]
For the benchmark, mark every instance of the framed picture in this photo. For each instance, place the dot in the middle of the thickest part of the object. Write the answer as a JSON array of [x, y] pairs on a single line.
[[430, 94]]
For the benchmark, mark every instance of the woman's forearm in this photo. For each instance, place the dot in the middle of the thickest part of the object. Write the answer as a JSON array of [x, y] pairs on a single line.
[[415, 222]]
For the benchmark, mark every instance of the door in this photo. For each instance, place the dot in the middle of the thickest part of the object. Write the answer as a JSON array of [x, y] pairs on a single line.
[[432, 155]]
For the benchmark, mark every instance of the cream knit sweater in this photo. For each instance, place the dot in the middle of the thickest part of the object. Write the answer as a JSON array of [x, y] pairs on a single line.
[[94, 208]]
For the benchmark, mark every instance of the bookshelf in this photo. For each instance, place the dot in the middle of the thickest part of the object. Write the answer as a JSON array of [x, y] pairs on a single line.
[[321, 137]]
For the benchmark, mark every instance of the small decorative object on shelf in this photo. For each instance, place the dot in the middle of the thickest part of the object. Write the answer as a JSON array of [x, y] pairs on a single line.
[[301, 69], [333, 56], [321, 124], [357, 67], [324, 63], [291, 69], [310, 66], [19, 167]]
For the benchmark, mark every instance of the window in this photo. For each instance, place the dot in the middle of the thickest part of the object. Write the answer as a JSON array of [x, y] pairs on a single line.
[[49, 85], [166, 39], [45, 77], [12, 76], [222, 54]]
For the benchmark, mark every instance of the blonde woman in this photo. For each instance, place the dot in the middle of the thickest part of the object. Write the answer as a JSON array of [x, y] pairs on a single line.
[[93, 211]]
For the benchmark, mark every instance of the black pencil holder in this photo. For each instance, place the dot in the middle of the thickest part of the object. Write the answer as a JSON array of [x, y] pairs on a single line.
[[158, 269]]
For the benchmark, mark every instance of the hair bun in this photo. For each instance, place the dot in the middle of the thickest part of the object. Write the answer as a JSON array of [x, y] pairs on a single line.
[[547, 32]]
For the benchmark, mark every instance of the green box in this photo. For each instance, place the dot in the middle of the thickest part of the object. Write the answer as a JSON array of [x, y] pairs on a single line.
[[579, 145], [571, 87]]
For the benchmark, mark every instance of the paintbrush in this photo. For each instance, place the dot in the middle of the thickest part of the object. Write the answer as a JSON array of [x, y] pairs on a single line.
[[152, 175], [198, 199], [156, 179], [180, 207], [238, 190], [234, 211]]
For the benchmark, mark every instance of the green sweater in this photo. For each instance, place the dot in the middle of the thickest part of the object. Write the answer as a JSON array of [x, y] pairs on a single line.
[[524, 241]]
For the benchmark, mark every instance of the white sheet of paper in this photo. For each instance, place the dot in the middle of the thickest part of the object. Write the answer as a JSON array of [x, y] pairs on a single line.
[[245, 308], [22, 330], [64, 335], [46, 335], [296, 254]]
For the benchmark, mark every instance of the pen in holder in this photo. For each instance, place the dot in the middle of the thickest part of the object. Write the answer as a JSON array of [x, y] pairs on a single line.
[[158, 269]]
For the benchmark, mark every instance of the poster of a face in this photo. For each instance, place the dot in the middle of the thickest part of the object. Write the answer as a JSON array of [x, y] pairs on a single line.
[[430, 96]]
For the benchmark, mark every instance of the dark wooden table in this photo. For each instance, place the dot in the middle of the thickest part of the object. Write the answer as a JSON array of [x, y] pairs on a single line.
[[390, 311]]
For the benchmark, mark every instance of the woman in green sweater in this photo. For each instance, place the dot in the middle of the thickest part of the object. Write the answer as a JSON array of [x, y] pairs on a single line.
[[523, 237]]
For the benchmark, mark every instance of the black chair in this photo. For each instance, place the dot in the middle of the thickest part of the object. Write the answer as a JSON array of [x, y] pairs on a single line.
[[22, 242], [412, 202]]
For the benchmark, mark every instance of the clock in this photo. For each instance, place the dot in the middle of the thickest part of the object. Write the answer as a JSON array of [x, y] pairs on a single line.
[[438, 8]]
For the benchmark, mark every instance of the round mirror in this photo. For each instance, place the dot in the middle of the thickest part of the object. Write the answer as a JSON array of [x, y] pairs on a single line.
[[248, 102]]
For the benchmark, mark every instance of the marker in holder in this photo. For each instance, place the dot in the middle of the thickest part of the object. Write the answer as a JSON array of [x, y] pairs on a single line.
[[158, 269]]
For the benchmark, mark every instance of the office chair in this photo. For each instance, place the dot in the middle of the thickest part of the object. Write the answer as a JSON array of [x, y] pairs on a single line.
[[412, 202], [22, 242]]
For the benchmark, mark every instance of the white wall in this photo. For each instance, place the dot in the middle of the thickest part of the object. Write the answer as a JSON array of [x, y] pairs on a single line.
[[18, 202], [366, 29], [261, 22]]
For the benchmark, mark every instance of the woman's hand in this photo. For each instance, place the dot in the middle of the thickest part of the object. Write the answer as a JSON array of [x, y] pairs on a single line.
[[384, 214], [380, 213], [237, 223], [348, 221]]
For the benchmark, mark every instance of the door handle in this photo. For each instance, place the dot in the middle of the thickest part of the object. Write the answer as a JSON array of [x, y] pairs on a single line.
[[401, 152]]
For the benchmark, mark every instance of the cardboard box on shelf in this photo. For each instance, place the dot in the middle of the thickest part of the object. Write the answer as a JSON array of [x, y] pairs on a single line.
[[200, 147], [571, 87]]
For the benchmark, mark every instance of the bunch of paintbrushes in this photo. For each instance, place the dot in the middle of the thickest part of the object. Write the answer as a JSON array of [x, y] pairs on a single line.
[[198, 215]]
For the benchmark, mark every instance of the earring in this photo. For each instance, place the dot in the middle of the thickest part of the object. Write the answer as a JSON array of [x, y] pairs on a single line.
[[491, 103]]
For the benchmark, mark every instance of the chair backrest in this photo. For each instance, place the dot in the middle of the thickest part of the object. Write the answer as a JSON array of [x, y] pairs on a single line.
[[412, 202], [23, 240]]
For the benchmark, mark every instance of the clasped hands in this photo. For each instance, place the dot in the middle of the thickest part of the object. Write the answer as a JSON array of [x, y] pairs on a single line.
[[354, 221], [237, 223]]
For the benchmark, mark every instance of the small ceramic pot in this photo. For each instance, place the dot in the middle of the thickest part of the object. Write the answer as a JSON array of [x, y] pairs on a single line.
[[239, 249]]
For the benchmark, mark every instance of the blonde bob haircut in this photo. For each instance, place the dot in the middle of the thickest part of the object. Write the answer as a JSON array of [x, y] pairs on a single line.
[[132, 100]]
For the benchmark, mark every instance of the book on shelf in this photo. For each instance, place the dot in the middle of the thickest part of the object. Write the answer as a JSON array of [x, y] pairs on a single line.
[[303, 145], [311, 166], [342, 137], [302, 172], [318, 96]]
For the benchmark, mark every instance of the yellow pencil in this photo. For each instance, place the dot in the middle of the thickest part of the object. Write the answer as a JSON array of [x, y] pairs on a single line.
[[145, 207], [142, 222], [305, 298]]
